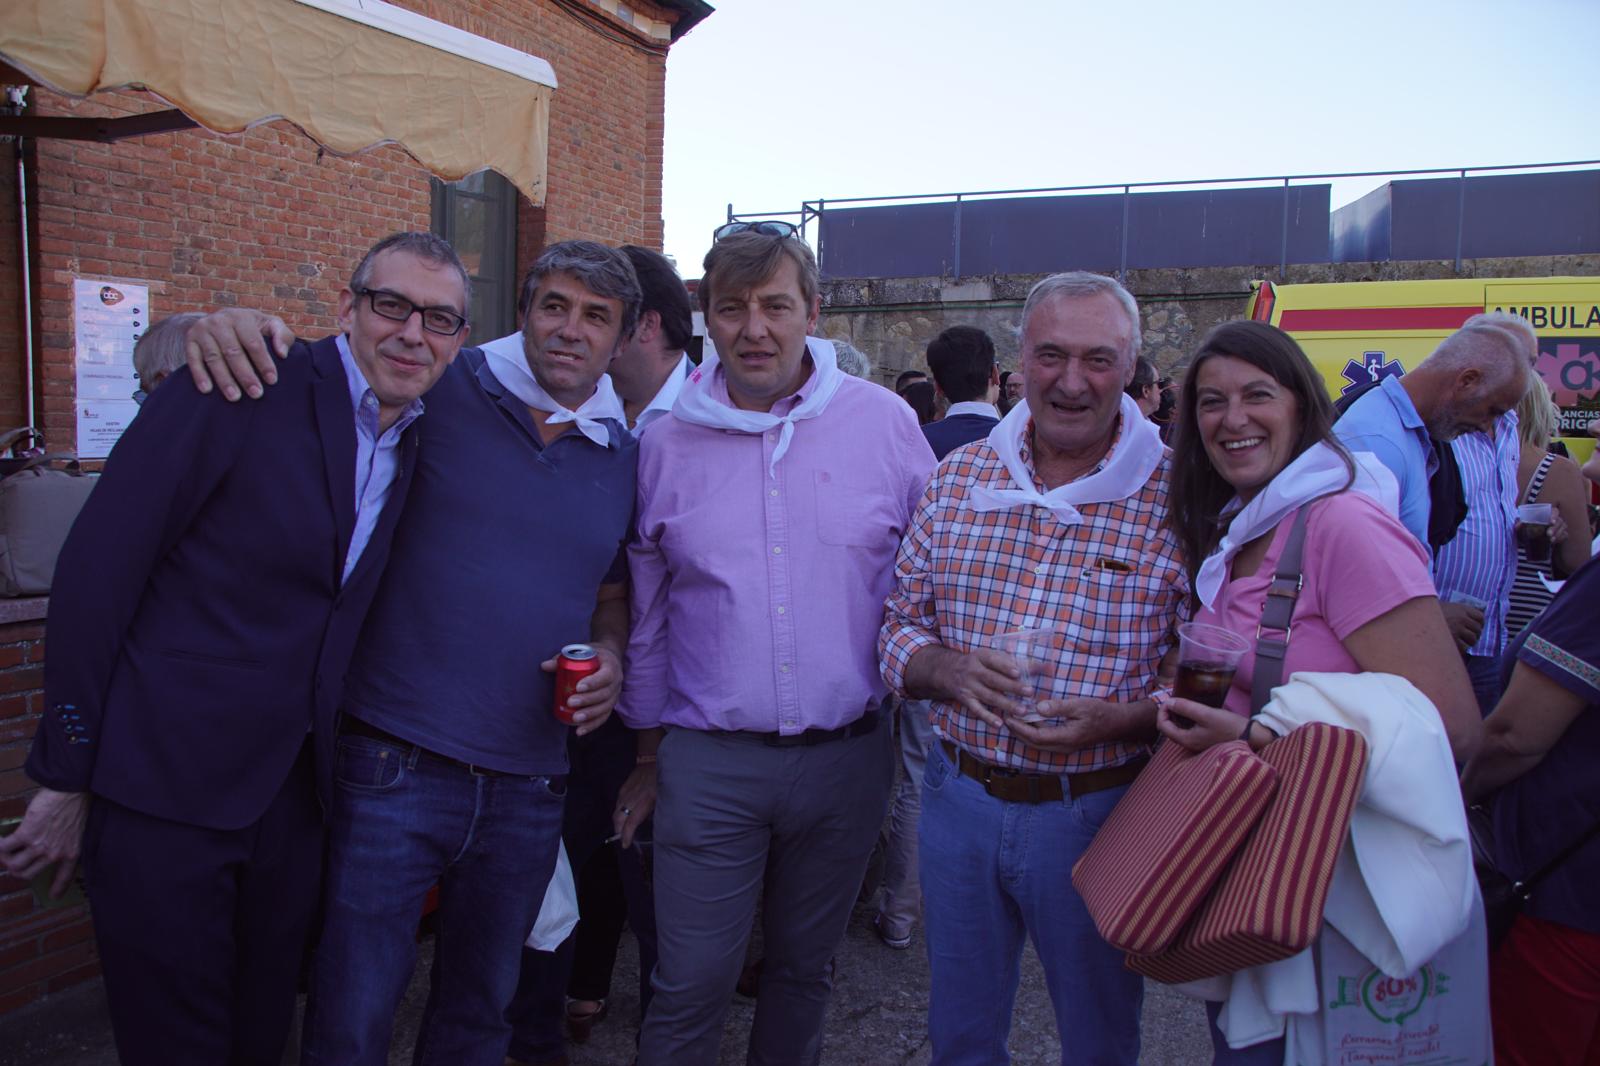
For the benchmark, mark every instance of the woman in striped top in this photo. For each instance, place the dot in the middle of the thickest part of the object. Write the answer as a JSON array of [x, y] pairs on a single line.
[[1543, 477]]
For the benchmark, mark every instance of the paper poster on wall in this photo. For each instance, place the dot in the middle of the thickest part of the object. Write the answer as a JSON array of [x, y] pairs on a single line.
[[108, 317]]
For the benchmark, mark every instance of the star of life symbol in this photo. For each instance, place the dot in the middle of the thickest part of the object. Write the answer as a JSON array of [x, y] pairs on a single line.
[[1372, 366]]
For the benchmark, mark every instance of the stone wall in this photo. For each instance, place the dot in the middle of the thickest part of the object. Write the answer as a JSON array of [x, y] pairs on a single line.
[[893, 319]]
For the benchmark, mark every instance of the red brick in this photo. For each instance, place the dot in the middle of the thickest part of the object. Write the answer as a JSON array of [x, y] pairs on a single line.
[[18, 953], [75, 933], [23, 680], [13, 783], [14, 904], [21, 997], [44, 967], [75, 976]]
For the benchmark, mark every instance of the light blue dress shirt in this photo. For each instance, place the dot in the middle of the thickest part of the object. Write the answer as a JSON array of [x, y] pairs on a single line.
[[1385, 422], [377, 455]]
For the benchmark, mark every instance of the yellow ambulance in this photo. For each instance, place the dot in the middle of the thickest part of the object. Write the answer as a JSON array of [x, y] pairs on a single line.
[[1357, 332]]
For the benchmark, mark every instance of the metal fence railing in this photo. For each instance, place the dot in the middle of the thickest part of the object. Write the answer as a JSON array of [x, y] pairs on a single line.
[[813, 210]]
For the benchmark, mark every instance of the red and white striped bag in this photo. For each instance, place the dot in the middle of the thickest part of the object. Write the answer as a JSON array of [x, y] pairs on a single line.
[[1269, 904], [1169, 839]]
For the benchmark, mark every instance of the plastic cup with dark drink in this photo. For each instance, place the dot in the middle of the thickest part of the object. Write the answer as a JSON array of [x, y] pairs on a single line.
[[1533, 531], [1207, 659]]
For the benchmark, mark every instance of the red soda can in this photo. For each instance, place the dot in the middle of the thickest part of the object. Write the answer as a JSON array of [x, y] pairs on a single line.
[[577, 662]]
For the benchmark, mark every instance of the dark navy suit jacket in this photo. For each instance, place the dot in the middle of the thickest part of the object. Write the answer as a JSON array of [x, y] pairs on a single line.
[[948, 434], [197, 625]]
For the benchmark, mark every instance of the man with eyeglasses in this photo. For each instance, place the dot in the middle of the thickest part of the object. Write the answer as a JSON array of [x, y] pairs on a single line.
[[204, 610], [770, 507], [451, 764]]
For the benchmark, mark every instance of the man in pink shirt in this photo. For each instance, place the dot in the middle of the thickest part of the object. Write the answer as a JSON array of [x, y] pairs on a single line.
[[770, 508]]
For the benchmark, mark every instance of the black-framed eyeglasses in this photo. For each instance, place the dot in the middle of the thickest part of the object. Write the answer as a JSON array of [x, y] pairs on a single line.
[[768, 227], [445, 321]]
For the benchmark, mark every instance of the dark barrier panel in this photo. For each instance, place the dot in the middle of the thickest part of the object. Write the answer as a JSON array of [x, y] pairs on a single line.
[[906, 241], [1505, 215], [1228, 227], [1032, 235], [1040, 235], [1360, 229]]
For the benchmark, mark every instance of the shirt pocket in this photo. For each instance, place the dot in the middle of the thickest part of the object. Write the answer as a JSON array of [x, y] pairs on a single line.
[[853, 513], [1123, 617]]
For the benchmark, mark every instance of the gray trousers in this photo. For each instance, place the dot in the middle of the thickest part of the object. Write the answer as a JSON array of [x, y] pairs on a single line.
[[902, 894], [735, 819]]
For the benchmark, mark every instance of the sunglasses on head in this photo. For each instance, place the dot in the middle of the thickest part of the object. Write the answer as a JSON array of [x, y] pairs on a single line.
[[769, 228]]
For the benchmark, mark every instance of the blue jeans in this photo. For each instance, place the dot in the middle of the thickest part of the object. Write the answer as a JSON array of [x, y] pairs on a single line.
[[991, 872], [1484, 671], [402, 821], [607, 893]]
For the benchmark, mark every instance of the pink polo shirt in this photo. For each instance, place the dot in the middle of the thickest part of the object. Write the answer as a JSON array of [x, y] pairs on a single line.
[[1359, 563]]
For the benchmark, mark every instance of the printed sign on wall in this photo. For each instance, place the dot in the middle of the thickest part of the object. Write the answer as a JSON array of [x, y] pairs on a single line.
[[108, 317]]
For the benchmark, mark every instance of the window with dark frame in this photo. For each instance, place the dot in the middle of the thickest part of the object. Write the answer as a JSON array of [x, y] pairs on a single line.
[[478, 216]]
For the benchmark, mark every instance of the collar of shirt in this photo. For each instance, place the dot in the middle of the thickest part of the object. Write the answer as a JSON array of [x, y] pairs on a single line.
[[973, 407], [1025, 449], [367, 412], [1402, 403], [719, 390], [665, 397]]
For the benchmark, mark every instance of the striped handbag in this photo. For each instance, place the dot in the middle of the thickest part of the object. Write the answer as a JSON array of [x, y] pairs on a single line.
[[1168, 840], [1269, 904]]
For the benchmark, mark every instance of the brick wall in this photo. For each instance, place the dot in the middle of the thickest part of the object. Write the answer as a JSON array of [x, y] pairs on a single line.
[[266, 219], [41, 950]]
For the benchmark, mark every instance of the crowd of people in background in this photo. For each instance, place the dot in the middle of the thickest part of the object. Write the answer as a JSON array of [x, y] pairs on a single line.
[[299, 690]]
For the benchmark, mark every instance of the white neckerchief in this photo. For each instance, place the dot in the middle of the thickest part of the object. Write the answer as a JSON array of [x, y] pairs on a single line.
[[661, 403], [1134, 456], [508, 363], [698, 404], [1317, 471]]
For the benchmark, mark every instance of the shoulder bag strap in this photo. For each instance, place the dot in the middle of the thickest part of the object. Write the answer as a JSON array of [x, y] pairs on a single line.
[[1276, 613], [1524, 888]]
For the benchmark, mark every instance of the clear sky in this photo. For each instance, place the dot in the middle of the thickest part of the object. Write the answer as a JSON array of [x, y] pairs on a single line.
[[770, 103]]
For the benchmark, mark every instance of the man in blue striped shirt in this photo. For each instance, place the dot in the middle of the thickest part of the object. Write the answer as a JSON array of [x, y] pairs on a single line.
[[1473, 572]]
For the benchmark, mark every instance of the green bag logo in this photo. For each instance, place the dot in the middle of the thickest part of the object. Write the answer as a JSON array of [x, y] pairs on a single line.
[[1391, 999]]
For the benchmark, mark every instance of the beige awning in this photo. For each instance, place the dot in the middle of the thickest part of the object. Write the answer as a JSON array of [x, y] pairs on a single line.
[[352, 74]]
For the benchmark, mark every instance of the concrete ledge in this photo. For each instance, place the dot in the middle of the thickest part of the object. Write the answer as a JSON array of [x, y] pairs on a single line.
[[24, 609]]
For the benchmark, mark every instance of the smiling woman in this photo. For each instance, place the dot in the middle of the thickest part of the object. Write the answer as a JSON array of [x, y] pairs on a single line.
[[1254, 449]]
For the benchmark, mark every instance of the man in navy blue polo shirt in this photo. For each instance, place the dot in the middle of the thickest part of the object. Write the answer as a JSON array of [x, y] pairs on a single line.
[[451, 767]]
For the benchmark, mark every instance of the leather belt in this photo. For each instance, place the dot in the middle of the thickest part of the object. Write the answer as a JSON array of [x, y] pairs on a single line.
[[352, 726], [867, 723], [1015, 786]]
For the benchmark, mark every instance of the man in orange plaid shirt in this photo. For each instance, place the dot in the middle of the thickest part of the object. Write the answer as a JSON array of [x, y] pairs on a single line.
[[1053, 523]]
